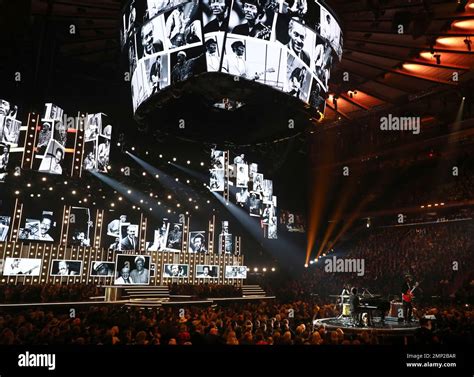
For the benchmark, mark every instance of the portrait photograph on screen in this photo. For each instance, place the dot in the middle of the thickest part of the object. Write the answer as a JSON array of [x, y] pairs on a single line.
[[175, 237], [62, 267], [152, 37], [39, 229], [187, 63], [80, 227], [90, 156], [197, 242], [5, 222], [242, 197], [10, 130], [44, 137], [267, 191], [205, 271], [160, 237], [255, 204], [103, 153], [92, 127], [4, 159], [52, 161], [157, 72], [217, 181], [215, 15], [102, 268], [298, 78], [175, 270], [297, 38], [235, 272], [129, 237], [217, 159], [242, 178], [214, 45], [183, 26], [60, 132], [132, 269], [22, 267], [252, 18]]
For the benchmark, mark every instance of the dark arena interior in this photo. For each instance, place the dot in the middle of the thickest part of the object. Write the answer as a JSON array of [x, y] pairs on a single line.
[[291, 174]]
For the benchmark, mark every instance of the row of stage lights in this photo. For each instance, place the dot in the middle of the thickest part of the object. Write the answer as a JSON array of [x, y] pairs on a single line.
[[316, 260]]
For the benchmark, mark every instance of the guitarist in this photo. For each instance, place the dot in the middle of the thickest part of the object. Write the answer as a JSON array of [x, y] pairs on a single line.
[[407, 295], [251, 26]]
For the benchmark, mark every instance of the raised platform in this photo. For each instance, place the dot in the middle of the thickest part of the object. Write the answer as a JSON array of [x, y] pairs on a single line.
[[391, 326]]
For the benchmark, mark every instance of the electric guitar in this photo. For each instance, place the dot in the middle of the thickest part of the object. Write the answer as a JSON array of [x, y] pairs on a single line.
[[407, 297], [256, 76]]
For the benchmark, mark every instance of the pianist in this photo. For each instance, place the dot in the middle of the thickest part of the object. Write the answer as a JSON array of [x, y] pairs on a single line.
[[355, 307]]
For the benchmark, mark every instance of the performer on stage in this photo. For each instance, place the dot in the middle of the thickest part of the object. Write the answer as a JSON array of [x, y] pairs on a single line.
[[355, 303], [407, 295]]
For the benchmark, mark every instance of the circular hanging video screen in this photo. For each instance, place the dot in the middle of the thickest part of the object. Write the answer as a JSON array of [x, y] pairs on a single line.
[[230, 48]]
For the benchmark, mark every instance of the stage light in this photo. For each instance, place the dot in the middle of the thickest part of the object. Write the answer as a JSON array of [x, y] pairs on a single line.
[[187, 213], [43, 179], [50, 189], [188, 181], [129, 191], [133, 148], [28, 185], [169, 196], [306, 265], [134, 207], [73, 192], [157, 176], [88, 186], [202, 163], [151, 195], [208, 201], [176, 179], [188, 162], [151, 209], [273, 269], [118, 144], [32, 195], [85, 200], [264, 269], [169, 211], [255, 269], [112, 204], [442, 204], [178, 205], [159, 203], [161, 156], [120, 198], [143, 173], [62, 197], [65, 182], [197, 207], [174, 159]]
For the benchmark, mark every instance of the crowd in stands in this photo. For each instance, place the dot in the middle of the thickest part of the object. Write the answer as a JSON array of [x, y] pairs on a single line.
[[35, 293], [259, 323]]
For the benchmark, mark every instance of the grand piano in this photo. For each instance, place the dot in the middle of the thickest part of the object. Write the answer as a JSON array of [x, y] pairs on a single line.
[[373, 304]]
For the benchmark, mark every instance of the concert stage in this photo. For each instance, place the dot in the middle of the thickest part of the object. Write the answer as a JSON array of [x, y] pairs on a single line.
[[391, 326]]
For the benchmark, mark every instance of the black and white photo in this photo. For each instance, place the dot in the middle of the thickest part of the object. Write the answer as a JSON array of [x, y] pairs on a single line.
[[175, 237], [160, 237], [297, 38], [4, 227], [235, 272], [80, 227], [197, 242], [102, 268], [216, 182], [175, 270], [39, 229], [252, 20], [214, 48], [157, 73], [4, 159], [53, 159], [22, 267], [242, 197], [267, 191], [206, 271], [216, 15], [187, 63], [132, 269], [255, 204], [61, 267], [258, 182], [93, 127], [298, 79], [11, 130], [103, 153], [152, 36], [129, 240], [225, 239], [242, 178], [183, 27], [217, 159]]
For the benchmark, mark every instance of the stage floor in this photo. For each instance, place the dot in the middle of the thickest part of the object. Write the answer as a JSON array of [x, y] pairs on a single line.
[[390, 326]]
